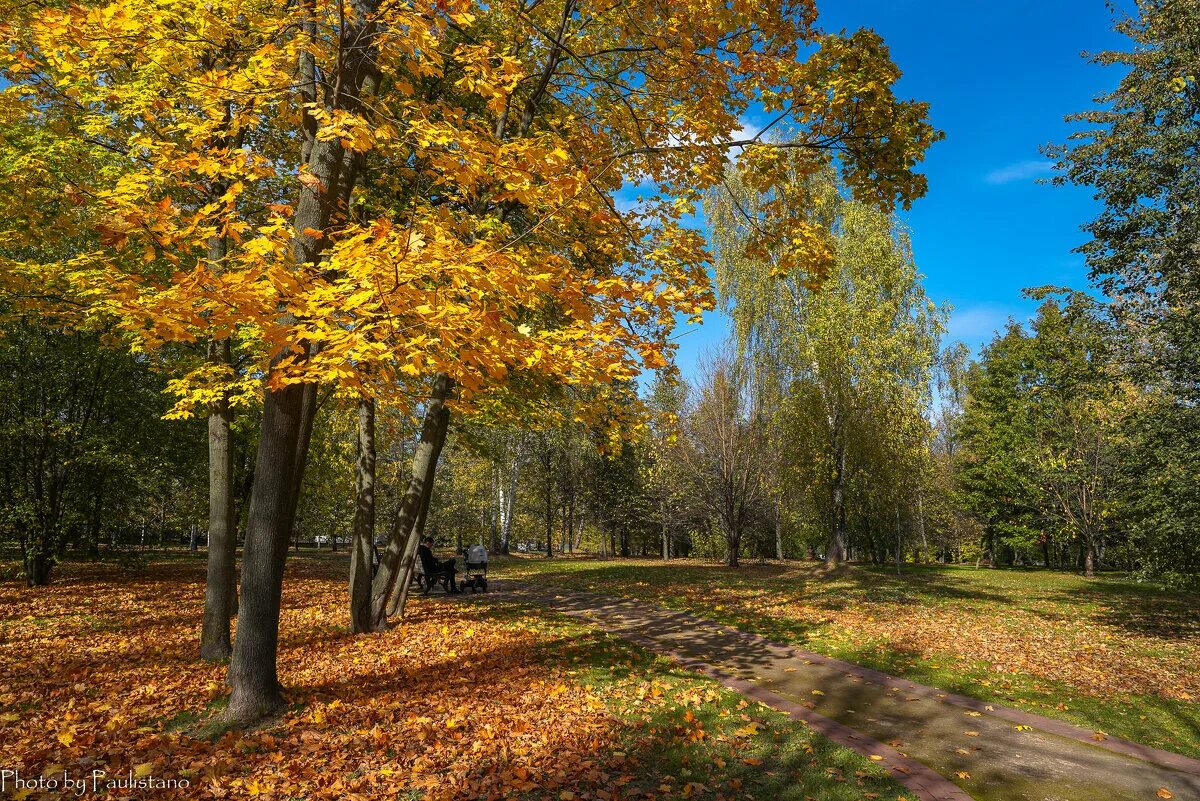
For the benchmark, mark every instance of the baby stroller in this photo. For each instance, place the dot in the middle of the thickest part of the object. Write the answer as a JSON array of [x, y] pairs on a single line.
[[475, 572]]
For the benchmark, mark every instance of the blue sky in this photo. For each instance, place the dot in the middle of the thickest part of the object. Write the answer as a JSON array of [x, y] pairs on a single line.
[[999, 76]]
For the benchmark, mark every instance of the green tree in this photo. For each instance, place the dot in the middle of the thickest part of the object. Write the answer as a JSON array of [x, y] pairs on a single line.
[[84, 451], [1138, 152], [852, 347], [1038, 429]]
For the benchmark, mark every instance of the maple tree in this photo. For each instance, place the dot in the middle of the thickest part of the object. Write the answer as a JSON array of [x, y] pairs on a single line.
[[403, 190]]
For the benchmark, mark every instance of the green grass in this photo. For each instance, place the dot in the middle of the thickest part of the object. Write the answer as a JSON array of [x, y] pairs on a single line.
[[1061, 618], [687, 736], [204, 724]]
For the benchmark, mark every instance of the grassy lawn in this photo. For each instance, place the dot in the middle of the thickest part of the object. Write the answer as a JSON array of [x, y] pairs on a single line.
[[1119, 657], [484, 698]]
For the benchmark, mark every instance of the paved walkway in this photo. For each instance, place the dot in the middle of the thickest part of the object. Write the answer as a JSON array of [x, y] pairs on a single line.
[[941, 746]]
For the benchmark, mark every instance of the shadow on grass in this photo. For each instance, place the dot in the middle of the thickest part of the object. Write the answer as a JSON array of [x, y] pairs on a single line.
[[1138, 608]]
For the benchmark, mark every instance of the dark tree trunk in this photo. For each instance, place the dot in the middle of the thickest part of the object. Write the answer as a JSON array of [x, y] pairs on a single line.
[[666, 542], [308, 414], [1089, 558], [220, 589], [835, 550], [38, 564], [549, 515], [252, 672], [391, 568], [95, 519], [361, 553], [778, 533]]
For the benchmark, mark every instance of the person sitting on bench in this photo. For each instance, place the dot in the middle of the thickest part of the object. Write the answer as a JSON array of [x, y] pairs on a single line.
[[435, 568]]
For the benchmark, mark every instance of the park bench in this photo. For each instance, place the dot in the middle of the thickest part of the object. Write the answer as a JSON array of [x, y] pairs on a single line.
[[429, 572]]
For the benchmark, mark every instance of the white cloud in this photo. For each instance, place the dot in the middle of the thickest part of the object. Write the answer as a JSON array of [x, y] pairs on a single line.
[[977, 324], [1021, 171], [748, 130]]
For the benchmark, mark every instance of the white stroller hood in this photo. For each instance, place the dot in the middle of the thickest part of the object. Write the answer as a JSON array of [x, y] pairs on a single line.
[[477, 555]]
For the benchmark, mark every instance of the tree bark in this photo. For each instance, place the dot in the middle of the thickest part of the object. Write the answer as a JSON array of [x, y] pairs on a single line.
[[1089, 558], [252, 671], [424, 465], [778, 533], [921, 527], [96, 519], [508, 501], [899, 541], [38, 564], [220, 590], [408, 565], [578, 535], [662, 518], [835, 551], [364, 520]]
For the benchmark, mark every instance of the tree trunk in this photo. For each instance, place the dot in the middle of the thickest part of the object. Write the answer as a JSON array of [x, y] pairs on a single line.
[[899, 541], [921, 526], [424, 465], [507, 501], [734, 542], [252, 671], [549, 511], [220, 590], [96, 519], [308, 413], [495, 502], [287, 411], [662, 517], [408, 564], [361, 553], [835, 551], [1089, 558], [38, 564], [778, 533]]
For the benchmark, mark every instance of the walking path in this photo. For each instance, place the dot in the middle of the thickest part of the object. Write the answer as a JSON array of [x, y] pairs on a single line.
[[941, 746]]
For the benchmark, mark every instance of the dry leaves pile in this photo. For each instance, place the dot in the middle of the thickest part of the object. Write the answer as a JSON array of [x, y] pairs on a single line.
[[97, 669]]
